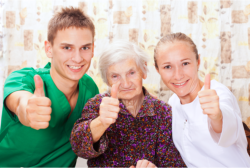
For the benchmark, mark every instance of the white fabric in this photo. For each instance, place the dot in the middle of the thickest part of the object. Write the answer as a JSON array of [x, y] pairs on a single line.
[[195, 139]]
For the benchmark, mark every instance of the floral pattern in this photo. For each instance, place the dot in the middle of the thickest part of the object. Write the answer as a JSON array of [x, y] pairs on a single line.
[[147, 136]]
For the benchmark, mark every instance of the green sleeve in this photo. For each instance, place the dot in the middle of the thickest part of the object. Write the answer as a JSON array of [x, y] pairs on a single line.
[[16, 81]]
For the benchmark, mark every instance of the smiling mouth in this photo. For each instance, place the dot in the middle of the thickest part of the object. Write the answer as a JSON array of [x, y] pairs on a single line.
[[180, 84], [75, 67]]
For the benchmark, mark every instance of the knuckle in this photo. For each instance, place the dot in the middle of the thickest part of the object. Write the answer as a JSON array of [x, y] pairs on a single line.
[[48, 118], [49, 110]]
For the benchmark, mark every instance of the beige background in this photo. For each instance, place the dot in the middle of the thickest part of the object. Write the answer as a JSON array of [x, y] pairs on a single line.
[[220, 29]]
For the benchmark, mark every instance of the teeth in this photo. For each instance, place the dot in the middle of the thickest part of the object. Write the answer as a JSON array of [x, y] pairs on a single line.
[[75, 67], [179, 84]]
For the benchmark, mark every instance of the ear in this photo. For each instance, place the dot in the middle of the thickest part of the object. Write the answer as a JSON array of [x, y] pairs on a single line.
[[199, 61], [48, 49], [144, 76], [93, 49], [157, 69]]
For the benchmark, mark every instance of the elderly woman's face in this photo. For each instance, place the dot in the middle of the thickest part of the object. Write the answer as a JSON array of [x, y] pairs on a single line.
[[130, 77]]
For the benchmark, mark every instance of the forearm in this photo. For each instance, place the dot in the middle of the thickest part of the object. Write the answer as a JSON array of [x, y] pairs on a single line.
[[97, 129], [82, 142], [217, 125], [16, 103]]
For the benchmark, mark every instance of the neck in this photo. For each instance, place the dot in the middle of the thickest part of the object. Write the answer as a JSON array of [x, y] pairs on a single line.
[[193, 94], [133, 105], [68, 87]]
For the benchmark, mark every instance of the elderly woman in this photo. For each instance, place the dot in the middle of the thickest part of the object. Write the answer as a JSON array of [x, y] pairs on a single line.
[[127, 127]]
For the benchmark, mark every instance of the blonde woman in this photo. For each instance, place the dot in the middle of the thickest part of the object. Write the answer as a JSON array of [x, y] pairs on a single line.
[[207, 126]]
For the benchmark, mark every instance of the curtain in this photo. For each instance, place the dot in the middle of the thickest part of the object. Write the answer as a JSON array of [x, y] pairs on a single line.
[[219, 28]]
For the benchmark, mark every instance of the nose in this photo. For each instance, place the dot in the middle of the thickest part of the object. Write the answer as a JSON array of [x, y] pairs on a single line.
[[76, 57], [125, 83], [179, 73]]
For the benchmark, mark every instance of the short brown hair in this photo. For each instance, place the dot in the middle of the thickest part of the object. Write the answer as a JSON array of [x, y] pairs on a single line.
[[171, 38], [69, 17]]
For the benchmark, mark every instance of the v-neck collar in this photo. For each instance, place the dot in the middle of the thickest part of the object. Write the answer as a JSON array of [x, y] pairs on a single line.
[[64, 103]]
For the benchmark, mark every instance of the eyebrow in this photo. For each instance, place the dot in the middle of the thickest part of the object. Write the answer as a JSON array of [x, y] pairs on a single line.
[[185, 59], [68, 44], [111, 73]]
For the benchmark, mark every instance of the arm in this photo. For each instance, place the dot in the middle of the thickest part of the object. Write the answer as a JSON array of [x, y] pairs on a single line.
[[231, 121], [166, 153], [224, 117], [88, 138]]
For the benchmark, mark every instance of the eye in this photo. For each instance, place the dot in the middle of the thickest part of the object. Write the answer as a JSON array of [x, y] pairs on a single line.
[[185, 63], [85, 48], [167, 67], [131, 73], [114, 76], [67, 47]]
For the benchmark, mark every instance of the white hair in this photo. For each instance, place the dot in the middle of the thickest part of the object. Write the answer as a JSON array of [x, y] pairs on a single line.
[[119, 51]]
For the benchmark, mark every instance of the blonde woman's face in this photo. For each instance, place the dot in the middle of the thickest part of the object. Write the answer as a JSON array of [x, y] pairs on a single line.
[[178, 68]]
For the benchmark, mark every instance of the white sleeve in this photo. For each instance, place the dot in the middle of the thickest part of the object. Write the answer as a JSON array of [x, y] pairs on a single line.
[[231, 120]]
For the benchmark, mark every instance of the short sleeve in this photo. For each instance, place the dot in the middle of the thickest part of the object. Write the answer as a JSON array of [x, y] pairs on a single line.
[[16, 81]]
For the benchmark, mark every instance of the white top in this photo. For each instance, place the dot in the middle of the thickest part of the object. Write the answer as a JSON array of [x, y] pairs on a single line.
[[195, 139]]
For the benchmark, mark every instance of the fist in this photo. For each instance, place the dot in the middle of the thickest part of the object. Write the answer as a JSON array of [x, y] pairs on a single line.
[[109, 108], [38, 108], [209, 101], [143, 164]]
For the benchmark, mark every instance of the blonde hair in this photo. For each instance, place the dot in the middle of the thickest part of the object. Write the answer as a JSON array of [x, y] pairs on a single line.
[[171, 38]]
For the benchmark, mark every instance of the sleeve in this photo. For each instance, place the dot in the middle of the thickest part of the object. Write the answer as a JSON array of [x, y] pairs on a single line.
[[231, 121], [81, 137], [16, 81], [166, 153]]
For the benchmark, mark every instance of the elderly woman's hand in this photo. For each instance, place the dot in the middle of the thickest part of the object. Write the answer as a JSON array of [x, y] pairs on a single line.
[[143, 163], [109, 108]]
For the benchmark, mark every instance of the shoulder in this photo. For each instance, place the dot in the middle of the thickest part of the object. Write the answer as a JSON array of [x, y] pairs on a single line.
[[27, 72], [220, 89], [23, 79], [89, 84], [174, 98], [160, 107]]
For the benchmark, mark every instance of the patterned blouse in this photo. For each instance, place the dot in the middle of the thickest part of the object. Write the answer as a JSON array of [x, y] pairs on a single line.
[[146, 136]]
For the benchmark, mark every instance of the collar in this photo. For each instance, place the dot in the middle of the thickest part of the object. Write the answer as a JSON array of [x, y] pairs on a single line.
[[147, 108]]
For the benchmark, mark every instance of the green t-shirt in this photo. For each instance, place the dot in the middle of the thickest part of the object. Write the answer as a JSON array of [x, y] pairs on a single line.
[[22, 146]]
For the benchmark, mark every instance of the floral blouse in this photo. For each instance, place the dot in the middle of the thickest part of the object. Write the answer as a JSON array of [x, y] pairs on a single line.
[[146, 136]]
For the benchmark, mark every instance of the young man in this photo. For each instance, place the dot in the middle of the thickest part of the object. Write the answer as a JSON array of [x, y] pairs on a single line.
[[42, 105]]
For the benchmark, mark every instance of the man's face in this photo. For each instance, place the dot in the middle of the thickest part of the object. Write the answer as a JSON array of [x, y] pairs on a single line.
[[71, 53]]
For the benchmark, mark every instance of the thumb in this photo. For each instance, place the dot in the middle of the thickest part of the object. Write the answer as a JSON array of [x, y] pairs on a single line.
[[114, 90], [207, 82], [39, 92]]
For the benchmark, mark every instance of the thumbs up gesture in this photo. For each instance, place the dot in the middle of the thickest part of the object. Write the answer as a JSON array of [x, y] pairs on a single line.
[[38, 108], [109, 108], [209, 101]]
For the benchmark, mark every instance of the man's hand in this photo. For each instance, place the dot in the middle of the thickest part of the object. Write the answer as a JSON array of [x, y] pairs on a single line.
[[109, 108], [143, 164], [38, 108], [209, 101]]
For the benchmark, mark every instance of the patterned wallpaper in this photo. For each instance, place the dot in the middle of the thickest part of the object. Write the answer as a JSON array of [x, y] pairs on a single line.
[[220, 28]]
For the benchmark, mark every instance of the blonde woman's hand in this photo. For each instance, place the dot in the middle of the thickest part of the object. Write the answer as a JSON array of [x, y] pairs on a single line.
[[209, 101]]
